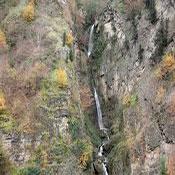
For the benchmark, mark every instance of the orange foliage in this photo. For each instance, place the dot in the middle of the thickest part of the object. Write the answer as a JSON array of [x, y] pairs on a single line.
[[2, 38], [62, 78], [2, 102], [166, 66], [84, 158], [29, 11], [169, 61]]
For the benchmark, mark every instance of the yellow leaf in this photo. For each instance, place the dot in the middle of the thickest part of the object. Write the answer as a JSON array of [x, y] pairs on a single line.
[[62, 78]]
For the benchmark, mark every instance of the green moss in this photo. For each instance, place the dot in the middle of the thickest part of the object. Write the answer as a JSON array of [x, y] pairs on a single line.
[[119, 155], [163, 168], [74, 127], [7, 124], [121, 6], [81, 146], [29, 171], [91, 10], [133, 100], [99, 46], [59, 151], [92, 131]]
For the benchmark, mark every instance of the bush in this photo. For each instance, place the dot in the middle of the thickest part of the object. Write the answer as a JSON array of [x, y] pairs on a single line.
[[30, 171], [83, 149], [92, 131], [166, 67], [130, 100], [163, 169], [62, 78], [29, 12], [2, 102], [59, 151], [69, 39], [99, 46], [2, 38], [74, 127]]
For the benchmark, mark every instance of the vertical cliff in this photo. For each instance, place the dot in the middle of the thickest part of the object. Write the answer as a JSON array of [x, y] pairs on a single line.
[[133, 64], [42, 126]]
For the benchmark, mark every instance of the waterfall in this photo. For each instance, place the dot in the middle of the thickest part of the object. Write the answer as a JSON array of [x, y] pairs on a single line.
[[99, 113], [90, 44], [104, 169], [100, 154], [101, 126]]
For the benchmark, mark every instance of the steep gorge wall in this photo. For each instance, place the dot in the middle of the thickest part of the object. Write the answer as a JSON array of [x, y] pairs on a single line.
[[51, 128], [42, 125], [135, 79]]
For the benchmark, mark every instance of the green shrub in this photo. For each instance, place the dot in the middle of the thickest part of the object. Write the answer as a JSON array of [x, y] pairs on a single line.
[[91, 11], [121, 6], [163, 169], [92, 132], [59, 151], [99, 46], [130, 100], [74, 127], [134, 100], [83, 149], [30, 171]]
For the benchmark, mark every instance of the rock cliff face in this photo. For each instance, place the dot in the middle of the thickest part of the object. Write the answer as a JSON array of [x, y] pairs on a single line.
[[41, 119], [137, 96], [48, 122]]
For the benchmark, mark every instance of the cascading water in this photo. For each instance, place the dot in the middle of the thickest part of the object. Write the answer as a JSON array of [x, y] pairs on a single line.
[[101, 126], [99, 113], [90, 44]]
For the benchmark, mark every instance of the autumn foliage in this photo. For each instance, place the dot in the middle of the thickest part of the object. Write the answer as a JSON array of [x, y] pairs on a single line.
[[2, 102], [69, 39], [29, 12], [166, 66], [84, 158], [62, 78], [2, 38]]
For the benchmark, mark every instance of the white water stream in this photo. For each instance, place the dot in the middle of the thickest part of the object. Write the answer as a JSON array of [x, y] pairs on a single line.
[[98, 108], [99, 113], [101, 126], [90, 44]]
